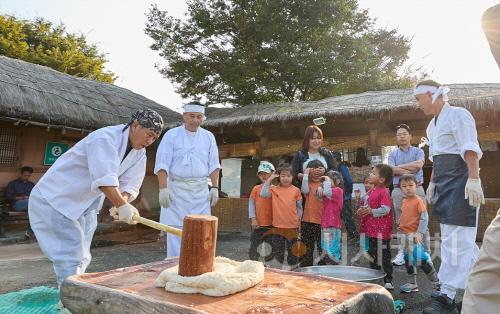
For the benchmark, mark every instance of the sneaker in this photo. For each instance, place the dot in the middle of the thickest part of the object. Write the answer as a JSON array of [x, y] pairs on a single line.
[[441, 304], [389, 286], [399, 260], [436, 288], [409, 287]]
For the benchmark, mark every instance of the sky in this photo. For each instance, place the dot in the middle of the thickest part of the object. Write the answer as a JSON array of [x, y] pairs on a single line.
[[446, 35]]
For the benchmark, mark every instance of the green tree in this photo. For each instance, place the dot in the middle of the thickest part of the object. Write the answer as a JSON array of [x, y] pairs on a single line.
[[242, 52], [41, 42]]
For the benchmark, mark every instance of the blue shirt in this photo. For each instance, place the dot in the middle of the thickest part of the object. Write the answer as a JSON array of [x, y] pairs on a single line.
[[399, 157], [344, 171], [18, 188]]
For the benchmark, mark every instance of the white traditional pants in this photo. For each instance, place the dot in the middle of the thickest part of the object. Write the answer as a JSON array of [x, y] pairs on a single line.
[[483, 288], [173, 244], [64, 241], [459, 253]]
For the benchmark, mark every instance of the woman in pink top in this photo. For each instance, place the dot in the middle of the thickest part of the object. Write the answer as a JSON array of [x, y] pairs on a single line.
[[331, 222]]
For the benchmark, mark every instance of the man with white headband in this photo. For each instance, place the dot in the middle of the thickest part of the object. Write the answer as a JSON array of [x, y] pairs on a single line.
[[454, 190], [483, 288], [186, 157]]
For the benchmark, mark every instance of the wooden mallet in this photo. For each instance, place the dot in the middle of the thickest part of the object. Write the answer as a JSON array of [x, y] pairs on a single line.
[[158, 226], [198, 240]]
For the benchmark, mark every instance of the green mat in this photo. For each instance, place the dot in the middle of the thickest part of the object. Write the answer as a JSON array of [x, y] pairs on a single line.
[[36, 300]]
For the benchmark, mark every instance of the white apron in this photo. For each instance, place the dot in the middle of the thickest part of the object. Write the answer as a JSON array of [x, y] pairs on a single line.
[[189, 197]]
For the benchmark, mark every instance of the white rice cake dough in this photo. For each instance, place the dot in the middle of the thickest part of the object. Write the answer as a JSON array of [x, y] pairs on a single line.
[[227, 278]]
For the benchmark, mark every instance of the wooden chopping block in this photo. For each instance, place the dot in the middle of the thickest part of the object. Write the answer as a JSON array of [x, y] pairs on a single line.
[[131, 290], [199, 237]]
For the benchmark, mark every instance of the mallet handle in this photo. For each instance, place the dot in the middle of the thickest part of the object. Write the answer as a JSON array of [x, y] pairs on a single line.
[[158, 226]]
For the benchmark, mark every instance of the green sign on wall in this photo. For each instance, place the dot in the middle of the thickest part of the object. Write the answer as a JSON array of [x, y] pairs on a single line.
[[52, 151]]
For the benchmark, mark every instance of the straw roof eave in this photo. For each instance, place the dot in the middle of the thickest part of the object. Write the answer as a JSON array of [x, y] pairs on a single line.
[[474, 97], [34, 93]]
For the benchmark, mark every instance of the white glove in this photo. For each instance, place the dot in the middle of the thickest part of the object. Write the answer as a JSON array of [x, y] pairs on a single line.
[[213, 196], [165, 198], [474, 192], [430, 192], [124, 213]]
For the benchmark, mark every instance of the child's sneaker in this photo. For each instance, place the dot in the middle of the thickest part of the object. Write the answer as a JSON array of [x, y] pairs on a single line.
[[409, 287], [399, 260], [389, 286]]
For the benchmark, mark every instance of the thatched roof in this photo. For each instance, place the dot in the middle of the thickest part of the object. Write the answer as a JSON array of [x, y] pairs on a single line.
[[35, 93], [368, 104]]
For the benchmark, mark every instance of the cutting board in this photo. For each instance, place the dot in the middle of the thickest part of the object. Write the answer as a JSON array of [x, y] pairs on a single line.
[[132, 290]]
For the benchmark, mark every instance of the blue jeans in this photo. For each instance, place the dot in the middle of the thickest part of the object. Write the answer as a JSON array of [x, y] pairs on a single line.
[[21, 205]]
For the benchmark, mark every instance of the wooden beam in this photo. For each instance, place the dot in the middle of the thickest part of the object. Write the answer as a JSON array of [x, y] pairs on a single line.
[[284, 147]]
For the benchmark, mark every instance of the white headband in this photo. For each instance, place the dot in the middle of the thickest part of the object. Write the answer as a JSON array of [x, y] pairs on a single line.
[[435, 91], [194, 108]]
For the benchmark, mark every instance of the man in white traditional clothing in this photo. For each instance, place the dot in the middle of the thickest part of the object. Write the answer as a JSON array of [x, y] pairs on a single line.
[[186, 157], [454, 191], [109, 162]]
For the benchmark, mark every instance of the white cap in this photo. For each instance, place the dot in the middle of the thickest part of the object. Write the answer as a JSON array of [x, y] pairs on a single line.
[[265, 166]]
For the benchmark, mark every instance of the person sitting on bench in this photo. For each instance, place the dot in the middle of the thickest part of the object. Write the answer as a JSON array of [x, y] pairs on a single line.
[[18, 192]]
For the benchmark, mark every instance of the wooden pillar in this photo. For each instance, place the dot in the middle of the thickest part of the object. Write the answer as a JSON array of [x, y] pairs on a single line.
[[374, 146], [199, 237], [262, 145]]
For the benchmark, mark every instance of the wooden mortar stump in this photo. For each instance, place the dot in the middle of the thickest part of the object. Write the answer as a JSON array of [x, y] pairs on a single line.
[[199, 237]]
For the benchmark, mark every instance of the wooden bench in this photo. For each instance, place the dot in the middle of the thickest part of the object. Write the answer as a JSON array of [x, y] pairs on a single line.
[[8, 215]]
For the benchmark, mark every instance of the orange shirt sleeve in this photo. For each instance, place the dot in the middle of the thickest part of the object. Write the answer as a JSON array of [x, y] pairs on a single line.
[[421, 206], [299, 195], [253, 194]]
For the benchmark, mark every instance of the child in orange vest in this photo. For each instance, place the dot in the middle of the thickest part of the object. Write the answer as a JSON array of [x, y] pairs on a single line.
[[287, 211], [311, 221], [260, 212]]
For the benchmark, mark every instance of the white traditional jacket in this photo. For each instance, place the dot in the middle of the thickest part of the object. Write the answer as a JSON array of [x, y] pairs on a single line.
[[454, 132], [72, 183]]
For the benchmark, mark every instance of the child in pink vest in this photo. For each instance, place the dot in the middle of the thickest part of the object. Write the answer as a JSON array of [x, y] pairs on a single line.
[[379, 219], [362, 201], [331, 222]]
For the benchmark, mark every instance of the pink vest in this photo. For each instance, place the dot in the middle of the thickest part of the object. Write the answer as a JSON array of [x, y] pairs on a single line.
[[332, 209]]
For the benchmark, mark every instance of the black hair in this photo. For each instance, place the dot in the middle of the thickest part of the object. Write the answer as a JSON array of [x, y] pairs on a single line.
[[26, 169], [315, 164], [403, 126], [408, 178], [385, 171], [337, 156], [335, 175]]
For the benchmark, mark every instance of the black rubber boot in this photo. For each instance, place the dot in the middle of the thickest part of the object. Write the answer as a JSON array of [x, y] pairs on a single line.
[[441, 304]]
